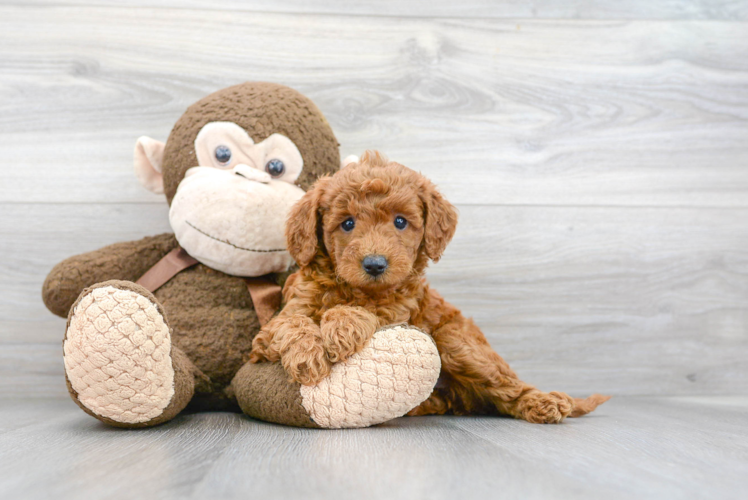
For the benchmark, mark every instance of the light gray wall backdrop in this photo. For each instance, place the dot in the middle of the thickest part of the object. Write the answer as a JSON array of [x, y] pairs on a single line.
[[598, 154]]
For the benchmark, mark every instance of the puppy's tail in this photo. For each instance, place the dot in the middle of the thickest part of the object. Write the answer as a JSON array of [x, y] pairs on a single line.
[[584, 406]]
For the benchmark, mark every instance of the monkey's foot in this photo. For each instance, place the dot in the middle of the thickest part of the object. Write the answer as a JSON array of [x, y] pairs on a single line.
[[393, 374], [117, 353]]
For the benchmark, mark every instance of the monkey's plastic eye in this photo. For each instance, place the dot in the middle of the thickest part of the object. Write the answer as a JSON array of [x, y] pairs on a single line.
[[276, 168], [400, 222], [348, 224], [223, 155]]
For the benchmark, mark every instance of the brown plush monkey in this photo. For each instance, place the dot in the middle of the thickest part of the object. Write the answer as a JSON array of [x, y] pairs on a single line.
[[231, 168]]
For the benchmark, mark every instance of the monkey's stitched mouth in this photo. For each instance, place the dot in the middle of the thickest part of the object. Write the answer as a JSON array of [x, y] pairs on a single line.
[[225, 242]]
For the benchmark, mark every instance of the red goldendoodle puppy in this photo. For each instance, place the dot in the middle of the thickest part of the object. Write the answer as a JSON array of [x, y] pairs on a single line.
[[363, 239]]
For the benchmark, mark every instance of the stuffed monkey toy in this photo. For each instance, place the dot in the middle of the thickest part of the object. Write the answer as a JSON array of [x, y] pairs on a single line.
[[167, 322]]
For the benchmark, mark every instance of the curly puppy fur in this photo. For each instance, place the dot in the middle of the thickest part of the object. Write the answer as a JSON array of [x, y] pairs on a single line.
[[333, 306]]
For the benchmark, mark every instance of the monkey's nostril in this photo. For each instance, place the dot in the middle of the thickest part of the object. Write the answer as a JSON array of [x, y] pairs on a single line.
[[374, 265], [251, 174]]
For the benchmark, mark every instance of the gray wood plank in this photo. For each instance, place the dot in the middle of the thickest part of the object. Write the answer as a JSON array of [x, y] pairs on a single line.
[[539, 9], [19, 411], [67, 456], [620, 300], [632, 447], [404, 459], [646, 448], [539, 112], [32, 370]]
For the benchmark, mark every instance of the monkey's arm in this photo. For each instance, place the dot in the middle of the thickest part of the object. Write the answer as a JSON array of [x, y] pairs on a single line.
[[123, 261]]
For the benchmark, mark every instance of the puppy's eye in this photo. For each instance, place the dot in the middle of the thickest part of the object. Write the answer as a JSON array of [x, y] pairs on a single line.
[[400, 222], [275, 168], [223, 155], [348, 225]]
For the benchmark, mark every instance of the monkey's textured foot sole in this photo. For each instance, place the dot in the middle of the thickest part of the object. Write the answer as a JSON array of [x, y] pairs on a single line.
[[393, 374], [118, 356]]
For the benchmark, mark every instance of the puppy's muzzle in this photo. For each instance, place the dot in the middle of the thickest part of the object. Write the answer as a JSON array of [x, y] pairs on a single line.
[[374, 265]]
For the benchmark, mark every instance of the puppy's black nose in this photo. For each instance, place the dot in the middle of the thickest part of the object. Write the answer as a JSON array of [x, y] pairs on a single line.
[[374, 265]]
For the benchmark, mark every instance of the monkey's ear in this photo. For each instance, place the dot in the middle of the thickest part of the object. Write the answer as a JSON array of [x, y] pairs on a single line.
[[302, 223], [440, 223], [348, 160], [149, 154]]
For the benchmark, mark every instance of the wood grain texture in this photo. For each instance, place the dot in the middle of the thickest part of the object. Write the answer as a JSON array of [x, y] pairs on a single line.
[[647, 448], [599, 165], [634, 113], [730, 10]]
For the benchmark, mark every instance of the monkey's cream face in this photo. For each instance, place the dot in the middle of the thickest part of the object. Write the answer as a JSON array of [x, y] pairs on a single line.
[[229, 213]]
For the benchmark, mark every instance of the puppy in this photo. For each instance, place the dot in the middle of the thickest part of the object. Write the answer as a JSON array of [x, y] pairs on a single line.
[[363, 239]]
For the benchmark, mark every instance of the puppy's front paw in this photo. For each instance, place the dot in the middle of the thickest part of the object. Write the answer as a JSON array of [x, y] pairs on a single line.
[[545, 408], [346, 330], [305, 361], [261, 350]]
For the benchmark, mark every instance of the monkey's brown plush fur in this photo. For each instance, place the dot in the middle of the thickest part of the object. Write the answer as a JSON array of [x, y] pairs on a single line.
[[275, 109], [210, 313], [333, 306]]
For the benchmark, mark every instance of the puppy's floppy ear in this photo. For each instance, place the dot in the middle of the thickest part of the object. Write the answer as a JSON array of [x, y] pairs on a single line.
[[301, 226], [440, 221]]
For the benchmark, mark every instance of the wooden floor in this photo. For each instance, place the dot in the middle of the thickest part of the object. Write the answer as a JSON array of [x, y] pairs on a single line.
[[597, 152], [643, 448]]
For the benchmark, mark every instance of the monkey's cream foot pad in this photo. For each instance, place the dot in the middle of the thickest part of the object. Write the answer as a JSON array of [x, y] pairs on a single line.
[[393, 374], [118, 356]]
